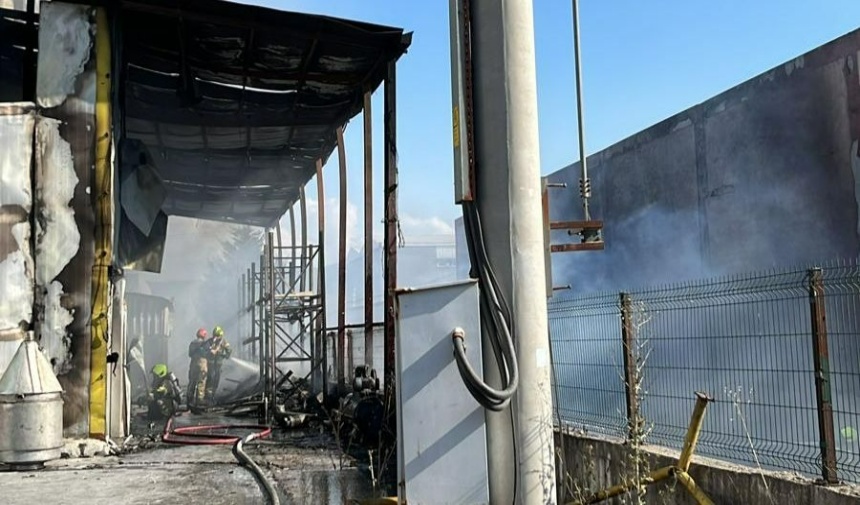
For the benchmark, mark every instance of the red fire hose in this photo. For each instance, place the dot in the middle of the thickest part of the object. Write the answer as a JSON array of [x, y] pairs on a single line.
[[207, 434]]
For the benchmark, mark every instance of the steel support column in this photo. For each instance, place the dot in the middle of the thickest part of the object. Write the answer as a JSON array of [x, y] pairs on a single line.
[[368, 230], [323, 324], [272, 333], [341, 263], [307, 280], [293, 249], [391, 221]]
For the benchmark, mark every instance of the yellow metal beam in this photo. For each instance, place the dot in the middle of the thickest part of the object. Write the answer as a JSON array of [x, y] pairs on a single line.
[[102, 185], [693, 431], [679, 472], [694, 490], [655, 476]]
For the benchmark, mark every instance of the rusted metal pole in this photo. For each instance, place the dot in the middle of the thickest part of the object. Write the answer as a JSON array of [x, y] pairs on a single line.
[[628, 341], [341, 262], [321, 284], [293, 251], [821, 364], [391, 220], [307, 267], [368, 230]]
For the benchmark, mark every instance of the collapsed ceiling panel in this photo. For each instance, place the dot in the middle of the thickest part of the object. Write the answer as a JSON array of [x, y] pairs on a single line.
[[233, 104]]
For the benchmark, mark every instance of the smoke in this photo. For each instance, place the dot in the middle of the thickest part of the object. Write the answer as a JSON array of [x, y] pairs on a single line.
[[203, 264]]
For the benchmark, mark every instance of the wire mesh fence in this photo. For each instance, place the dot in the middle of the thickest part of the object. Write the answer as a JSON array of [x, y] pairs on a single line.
[[752, 342]]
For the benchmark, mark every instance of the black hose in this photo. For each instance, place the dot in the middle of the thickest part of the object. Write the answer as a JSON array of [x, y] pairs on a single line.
[[495, 316], [245, 460]]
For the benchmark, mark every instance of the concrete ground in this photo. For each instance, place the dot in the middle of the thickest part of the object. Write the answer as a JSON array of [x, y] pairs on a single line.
[[306, 467]]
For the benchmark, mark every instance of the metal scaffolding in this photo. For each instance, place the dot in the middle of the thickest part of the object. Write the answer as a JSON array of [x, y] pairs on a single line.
[[285, 315]]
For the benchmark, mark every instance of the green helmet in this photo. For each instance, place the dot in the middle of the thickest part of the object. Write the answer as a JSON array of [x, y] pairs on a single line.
[[218, 331], [160, 370]]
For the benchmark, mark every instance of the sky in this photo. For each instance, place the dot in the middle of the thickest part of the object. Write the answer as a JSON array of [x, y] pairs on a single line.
[[642, 62]]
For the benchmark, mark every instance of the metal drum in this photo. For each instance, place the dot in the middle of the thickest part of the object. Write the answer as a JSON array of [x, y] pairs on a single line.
[[31, 410]]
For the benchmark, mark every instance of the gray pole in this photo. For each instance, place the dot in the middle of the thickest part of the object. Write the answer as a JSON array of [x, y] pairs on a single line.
[[584, 183], [509, 199]]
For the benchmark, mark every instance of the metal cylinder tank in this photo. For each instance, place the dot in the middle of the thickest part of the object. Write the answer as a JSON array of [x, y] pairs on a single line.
[[31, 410]]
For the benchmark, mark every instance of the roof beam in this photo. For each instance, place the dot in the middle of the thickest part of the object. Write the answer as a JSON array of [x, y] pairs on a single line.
[[166, 115]]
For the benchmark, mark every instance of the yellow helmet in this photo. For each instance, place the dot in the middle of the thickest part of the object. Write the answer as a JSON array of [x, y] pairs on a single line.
[[160, 370], [218, 331]]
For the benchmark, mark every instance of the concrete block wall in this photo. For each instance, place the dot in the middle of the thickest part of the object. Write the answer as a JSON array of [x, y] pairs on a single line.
[[595, 464]]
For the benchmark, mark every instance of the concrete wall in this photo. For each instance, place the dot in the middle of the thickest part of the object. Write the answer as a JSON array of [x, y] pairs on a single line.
[[764, 175], [593, 464]]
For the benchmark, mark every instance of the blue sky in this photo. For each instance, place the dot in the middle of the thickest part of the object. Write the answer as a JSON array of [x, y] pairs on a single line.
[[643, 61]]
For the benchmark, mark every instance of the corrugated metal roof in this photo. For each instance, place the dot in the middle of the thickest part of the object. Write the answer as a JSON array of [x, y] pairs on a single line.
[[234, 103]]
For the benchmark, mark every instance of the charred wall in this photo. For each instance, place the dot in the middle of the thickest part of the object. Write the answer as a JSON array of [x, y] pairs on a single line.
[[764, 175], [65, 91]]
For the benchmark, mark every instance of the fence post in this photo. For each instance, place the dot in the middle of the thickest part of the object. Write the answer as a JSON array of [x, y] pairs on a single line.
[[821, 364], [628, 339]]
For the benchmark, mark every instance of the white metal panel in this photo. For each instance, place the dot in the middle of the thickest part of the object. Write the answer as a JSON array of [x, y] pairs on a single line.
[[442, 445], [17, 123]]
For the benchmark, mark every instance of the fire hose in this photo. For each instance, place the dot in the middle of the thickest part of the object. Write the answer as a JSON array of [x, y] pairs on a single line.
[[205, 435]]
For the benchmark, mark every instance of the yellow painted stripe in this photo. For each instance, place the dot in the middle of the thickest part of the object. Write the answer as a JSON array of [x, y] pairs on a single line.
[[103, 235]]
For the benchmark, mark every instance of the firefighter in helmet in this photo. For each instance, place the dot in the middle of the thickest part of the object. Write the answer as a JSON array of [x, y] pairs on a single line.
[[198, 351], [219, 351], [165, 394]]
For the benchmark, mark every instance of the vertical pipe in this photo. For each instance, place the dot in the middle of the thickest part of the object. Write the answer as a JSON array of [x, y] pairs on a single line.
[[249, 293], [293, 252], [341, 262], [584, 183], [350, 353], [628, 341], [821, 364], [368, 230], [272, 335], [307, 271], [391, 221], [321, 262], [259, 318], [240, 324]]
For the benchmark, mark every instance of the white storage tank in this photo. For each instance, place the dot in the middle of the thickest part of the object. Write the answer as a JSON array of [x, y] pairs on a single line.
[[31, 410]]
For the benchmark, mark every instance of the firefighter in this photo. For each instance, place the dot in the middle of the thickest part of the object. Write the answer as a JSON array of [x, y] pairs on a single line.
[[198, 351], [165, 394], [219, 351]]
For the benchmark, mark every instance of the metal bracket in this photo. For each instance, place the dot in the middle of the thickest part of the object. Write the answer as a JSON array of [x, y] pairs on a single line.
[[591, 238]]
